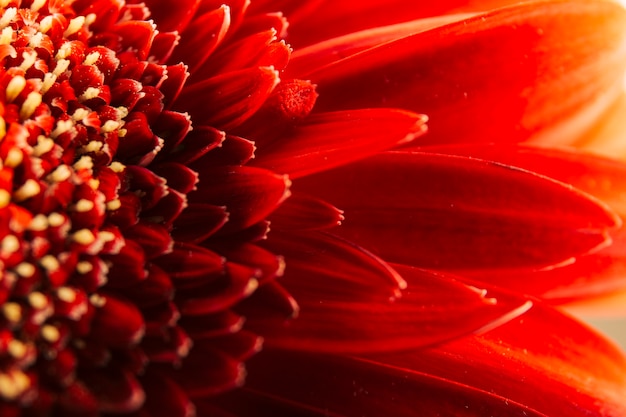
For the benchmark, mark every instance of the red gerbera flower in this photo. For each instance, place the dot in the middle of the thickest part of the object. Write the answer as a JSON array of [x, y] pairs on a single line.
[[133, 218]]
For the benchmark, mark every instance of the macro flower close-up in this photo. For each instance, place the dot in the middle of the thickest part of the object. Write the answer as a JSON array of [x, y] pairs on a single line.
[[311, 208]]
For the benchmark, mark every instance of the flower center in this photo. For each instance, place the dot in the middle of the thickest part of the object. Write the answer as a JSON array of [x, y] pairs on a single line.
[[77, 106]]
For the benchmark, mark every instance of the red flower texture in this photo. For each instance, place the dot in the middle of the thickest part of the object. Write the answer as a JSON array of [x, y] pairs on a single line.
[[111, 270], [489, 198], [142, 166]]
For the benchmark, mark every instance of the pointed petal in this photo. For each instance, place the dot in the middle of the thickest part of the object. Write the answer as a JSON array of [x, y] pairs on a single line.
[[197, 144], [227, 100], [249, 194], [447, 212], [170, 18], [267, 264], [544, 360], [212, 325], [155, 289], [494, 76], [178, 176], [199, 221], [304, 212], [233, 151], [591, 274], [241, 345], [201, 37], [117, 391], [188, 261], [328, 140], [208, 372], [541, 364], [597, 273], [351, 301], [216, 295], [117, 323], [599, 176], [164, 397], [154, 239], [313, 21], [271, 300], [243, 53], [347, 387], [309, 59]]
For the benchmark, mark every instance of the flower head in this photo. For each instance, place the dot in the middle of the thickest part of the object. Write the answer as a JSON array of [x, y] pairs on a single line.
[[135, 207]]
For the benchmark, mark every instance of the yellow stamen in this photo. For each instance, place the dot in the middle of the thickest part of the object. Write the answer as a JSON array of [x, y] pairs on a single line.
[[75, 25], [33, 100], [15, 87], [29, 189], [50, 263], [50, 333], [12, 312], [37, 300], [84, 205], [25, 270], [66, 294], [56, 219], [84, 237]]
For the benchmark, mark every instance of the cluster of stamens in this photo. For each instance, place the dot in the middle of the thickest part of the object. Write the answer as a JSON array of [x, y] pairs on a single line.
[[58, 181]]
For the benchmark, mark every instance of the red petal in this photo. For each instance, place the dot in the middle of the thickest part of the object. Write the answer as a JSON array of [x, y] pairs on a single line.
[[249, 194], [178, 176], [201, 37], [543, 359], [196, 144], [350, 301], [208, 372], [127, 267], [541, 364], [267, 264], [170, 19], [116, 323], [591, 274], [271, 300], [493, 77], [116, 391], [304, 212], [328, 140], [315, 385], [241, 345], [243, 53], [260, 22], [154, 239], [173, 84], [446, 212], [228, 99], [237, 10], [164, 397], [233, 151], [313, 21], [77, 400], [212, 325], [155, 289], [199, 221], [217, 295], [135, 35], [307, 60], [188, 261], [601, 177]]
